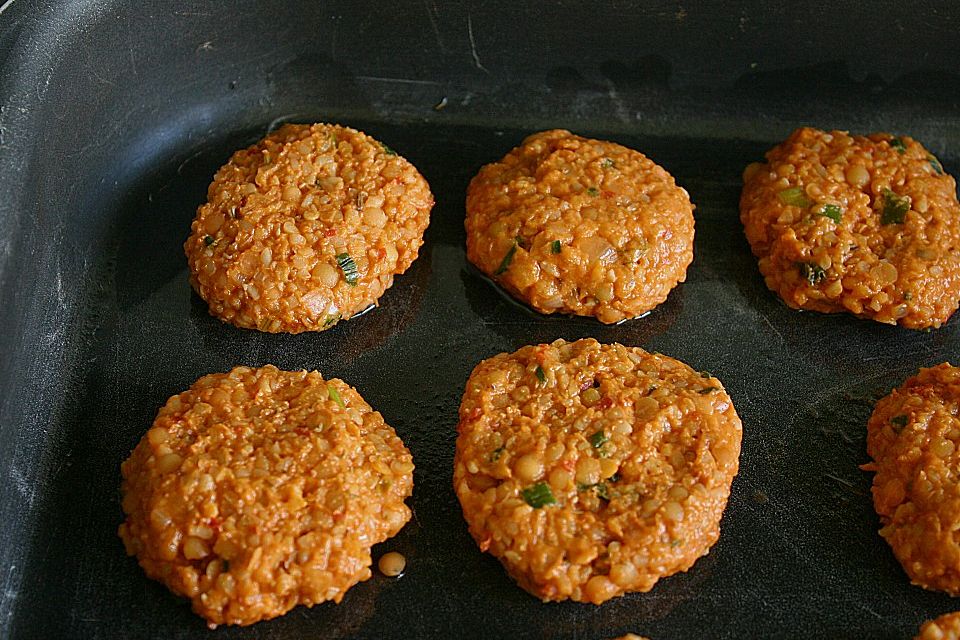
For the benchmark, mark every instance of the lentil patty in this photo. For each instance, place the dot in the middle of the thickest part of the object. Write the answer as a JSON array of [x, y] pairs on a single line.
[[946, 627], [580, 226], [594, 470], [306, 227], [261, 489], [912, 437], [869, 225]]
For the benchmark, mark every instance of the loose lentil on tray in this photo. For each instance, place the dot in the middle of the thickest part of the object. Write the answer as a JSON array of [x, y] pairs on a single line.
[[864, 224], [305, 228], [586, 227], [259, 489], [912, 437], [599, 477]]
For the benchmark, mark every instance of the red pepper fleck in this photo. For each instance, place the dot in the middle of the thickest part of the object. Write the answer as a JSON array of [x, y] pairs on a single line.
[[329, 233], [605, 403]]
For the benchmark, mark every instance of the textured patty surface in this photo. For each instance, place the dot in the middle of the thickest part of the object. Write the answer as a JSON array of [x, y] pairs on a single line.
[[306, 227], [864, 224], [912, 437], [586, 227], [594, 470], [946, 627], [260, 489]]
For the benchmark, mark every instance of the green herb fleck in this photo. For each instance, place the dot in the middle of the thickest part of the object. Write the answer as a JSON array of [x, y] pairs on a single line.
[[706, 375], [935, 164], [332, 320], [593, 191], [387, 150], [603, 491], [908, 296], [349, 268], [497, 453], [507, 259], [335, 396], [520, 241], [831, 211], [897, 143], [899, 422], [208, 240], [795, 196], [675, 543], [598, 439], [538, 495], [225, 565], [895, 208], [541, 376], [811, 272], [614, 478], [607, 163], [555, 246], [707, 390]]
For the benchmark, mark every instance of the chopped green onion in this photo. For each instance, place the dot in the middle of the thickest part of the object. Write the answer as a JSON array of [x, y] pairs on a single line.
[[897, 143], [496, 453], [520, 241], [676, 542], [593, 191], [794, 196], [541, 376], [607, 163], [603, 491], [935, 164], [332, 320], [349, 268], [831, 211], [908, 296], [598, 439], [555, 246], [812, 272], [707, 390], [895, 208], [706, 375], [538, 495], [387, 150], [335, 396], [899, 422], [208, 240], [507, 259]]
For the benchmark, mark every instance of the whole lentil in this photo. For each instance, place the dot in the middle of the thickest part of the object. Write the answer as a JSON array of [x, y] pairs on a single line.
[[864, 224], [946, 627], [392, 564], [305, 228], [912, 437], [573, 225], [256, 491], [592, 518]]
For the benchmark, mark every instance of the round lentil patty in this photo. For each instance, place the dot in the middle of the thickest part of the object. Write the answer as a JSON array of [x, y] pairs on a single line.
[[946, 627], [912, 437], [260, 489], [305, 228], [864, 224], [593, 470], [572, 225]]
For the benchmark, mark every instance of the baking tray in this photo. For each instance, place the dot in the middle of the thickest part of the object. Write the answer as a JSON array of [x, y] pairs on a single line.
[[114, 117]]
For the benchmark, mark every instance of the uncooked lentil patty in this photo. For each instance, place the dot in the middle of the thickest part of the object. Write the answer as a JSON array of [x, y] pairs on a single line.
[[260, 489], [594, 470], [912, 437], [586, 227], [946, 627], [864, 224], [305, 228]]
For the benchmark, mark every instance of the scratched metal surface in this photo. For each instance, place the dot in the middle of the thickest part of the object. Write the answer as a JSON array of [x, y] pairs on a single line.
[[113, 118]]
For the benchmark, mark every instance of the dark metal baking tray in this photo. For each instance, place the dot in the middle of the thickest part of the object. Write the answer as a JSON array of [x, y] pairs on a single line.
[[113, 118]]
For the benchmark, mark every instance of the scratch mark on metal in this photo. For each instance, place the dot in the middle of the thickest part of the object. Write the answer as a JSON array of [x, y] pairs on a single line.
[[432, 13], [473, 45], [398, 80]]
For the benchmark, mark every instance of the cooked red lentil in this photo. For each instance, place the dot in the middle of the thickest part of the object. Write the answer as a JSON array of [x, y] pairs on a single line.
[[864, 224], [305, 228], [587, 227], [594, 470], [260, 489], [912, 437], [392, 564], [946, 627]]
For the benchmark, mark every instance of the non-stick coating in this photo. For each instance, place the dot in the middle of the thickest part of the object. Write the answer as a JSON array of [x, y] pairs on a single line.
[[114, 118]]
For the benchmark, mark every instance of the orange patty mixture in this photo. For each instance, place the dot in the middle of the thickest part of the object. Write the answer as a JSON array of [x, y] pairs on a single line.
[[305, 228], [260, 489], [573, 225], [594, 470], [946, 627], [912, 437], [868, 225]]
